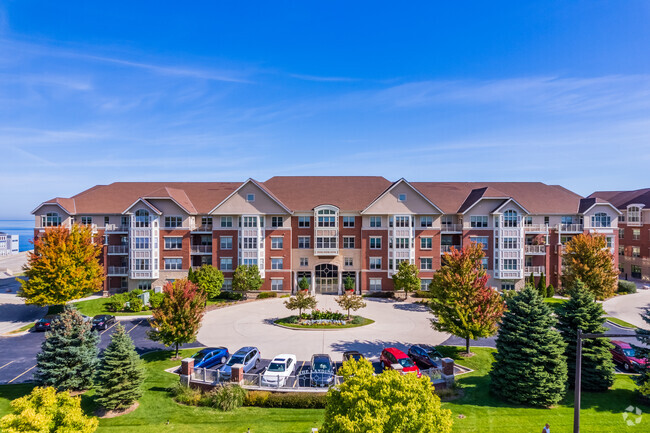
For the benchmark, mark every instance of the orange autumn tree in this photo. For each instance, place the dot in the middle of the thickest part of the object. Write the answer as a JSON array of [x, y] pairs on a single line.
[[463, 303], [63, 266], [587, 258]]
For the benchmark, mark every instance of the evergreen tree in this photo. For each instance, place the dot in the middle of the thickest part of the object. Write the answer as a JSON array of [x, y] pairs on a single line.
[[68, 356], [550, 291], [120, 374], [303, 284], [581, 311], [541, 285], [643, 335], [530, 366]]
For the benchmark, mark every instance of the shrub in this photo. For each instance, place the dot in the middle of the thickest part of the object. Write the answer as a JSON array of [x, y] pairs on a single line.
[[323, 315], [186, 395], [422, 294], [231, 296], [115, 303], [288, 400], [379, 295], [155, 299], [550, 291], [227, 397], [135, 305], [626, 287], [264, 295]]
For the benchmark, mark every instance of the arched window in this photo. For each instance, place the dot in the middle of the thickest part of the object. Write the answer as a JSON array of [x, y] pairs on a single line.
[[633, 214], [601, 219], [142, 218], [510, 218], [326, 217], [51, 219]]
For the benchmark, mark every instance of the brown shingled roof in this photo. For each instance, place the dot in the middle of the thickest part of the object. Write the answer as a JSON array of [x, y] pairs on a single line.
[[621, 199]]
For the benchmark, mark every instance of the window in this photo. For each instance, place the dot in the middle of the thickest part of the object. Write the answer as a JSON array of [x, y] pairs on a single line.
[[326, 221], [304, 242], [206, 240], [375, 243], [173, 221], [249, 262], [250, 197], [86, 220], [567, 219], [348, 242], [276, 285], [401, 221], [636, 252], [402, 243], [175, 243], [426, 243], [507, 286], [142, 218], [142, 265], [250, 221], [565, 239], [484, 262], [478, 221], [304, 261], [635, 271], [426, 263], [347, 261], [375, 221], [144, 285], [610, 242], [401, 197], [348, 221], [633, 214], [206, 221], [225, 264], [424, 284], [141, 243], [375, 262], [510, 243], [106, 221], [227, 284], [601, 219], [276, 262], [175, 264], [546, 220], [277, 221], [124, 220], [621, 233], [483, 240], [303, 221], [375, 284], [426, 221], [276, 243], [226, 221], [328, 242], [621, 250], [528, 220], [510, 219], [636, 234], [510, 264], [226, 243], [51, 219], [250, 243]]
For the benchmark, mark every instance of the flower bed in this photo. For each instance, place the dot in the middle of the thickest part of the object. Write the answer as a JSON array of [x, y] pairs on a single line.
[[323, 320]]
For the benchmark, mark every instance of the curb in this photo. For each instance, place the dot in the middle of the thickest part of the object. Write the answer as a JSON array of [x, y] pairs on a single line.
[[625, 328], [323, 329]]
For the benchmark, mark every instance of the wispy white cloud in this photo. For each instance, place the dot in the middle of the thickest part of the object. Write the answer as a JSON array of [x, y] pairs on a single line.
[[323, 78]]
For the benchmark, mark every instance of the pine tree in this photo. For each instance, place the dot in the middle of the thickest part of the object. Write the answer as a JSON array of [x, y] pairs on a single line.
[[643, 335], [541, 285], [581, 311], [530, 366], [120, 374], [68, 356]]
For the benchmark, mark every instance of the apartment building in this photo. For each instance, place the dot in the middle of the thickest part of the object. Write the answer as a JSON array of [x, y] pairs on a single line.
[[633, 231], [328, 228], [8, 244]]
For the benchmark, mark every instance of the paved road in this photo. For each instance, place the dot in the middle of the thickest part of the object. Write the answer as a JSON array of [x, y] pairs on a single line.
[[14, 314], [629, 307]]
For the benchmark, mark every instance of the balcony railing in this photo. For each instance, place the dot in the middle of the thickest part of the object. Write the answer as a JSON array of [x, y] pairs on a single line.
[[535, 270], [116, 228], [203, 228], [535, 249], [447, 248], [537, 228], [451, 228], [508, 274], [118, 249], [571, 228], [201, 249], [326, 251], [117, 270]]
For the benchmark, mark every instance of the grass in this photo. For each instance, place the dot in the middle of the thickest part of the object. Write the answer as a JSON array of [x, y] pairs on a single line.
[[360, 321], [620, 322], [93, 307], [555, 304], [21, 329]]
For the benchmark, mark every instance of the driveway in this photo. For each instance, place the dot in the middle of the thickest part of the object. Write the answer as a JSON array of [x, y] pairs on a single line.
[[629, 307], [397, 324], [14, 314]]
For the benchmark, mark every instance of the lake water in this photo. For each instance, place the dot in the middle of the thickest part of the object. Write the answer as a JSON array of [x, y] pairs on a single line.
[[23, 228]]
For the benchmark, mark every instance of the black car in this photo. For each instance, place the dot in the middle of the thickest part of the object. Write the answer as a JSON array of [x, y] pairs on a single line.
[[103, 321], [425, 356], [45, 324], [352, 354], [322, 371]]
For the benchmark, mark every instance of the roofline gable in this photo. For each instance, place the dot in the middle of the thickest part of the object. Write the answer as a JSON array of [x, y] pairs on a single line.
[[45, 203], [189, 212], [266, 191], [602, 204], [393, 186], [149, 205], [508, 200]]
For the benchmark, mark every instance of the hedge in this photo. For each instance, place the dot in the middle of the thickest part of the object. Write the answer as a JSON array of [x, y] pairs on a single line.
[[264, 295], [379, 295], [626, 286], [288, 400]]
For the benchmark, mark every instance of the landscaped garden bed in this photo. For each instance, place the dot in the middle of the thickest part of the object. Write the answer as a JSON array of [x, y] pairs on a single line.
[[323, 320]]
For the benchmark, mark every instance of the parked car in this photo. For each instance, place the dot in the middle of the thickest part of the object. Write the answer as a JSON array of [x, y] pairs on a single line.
[[210, 357], [45, 324], [425, 356], [625, 355], [103, 321], [248, 356], [394, 359], [321, 373], [350, 354], [279, 370]]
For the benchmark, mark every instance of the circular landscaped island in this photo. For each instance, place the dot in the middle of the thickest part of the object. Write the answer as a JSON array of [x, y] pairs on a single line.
[[323, 320]]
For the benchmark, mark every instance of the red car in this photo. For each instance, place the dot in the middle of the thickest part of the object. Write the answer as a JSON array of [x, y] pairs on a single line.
[[391, 358], [624, 354]]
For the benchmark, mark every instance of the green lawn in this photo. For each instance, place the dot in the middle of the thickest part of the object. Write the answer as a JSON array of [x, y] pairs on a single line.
[[620, 322], [555, 303]]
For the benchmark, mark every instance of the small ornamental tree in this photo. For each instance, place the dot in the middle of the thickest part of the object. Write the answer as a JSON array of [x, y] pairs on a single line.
[[303, 284], [587, 258], [541, 285], [387, 402], [349, 301], [581, 311], [246, 278], [643, 335], [46, 411], [68, 356], [462, 302], [209, 279], [530, 366], [63, 266], [406, 278], [178, 318], [349, 284], [301, 301], [120, 376]]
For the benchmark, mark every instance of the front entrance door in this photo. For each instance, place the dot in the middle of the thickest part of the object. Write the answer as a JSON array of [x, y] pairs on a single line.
[[327, 278]]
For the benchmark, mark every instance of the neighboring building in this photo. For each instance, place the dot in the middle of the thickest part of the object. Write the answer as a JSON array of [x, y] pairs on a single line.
[[8, 244], [327, 228], [633, 231]]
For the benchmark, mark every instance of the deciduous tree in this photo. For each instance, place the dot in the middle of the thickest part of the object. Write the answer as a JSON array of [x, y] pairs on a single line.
[[178, 318], [46, 411], [63, 266], [246, 278], [301, 301], [587, 258], [349, 301], [68, 356], [406, 278], [388, 402], [462, 302], [209, 279]]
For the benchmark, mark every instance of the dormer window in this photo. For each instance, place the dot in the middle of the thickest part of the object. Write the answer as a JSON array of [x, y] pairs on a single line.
[[141, 218], [401, 197], [250, 198], [633, 214]]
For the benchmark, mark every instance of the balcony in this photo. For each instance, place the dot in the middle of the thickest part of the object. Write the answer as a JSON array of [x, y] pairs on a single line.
[[535, 249], [118, 249], [536, 228], [535, 270], [116, 228], [203, 228], [201, 249], [508, 274], [122, 271], [451, 228], [570, 228], [447, 248], [326, 251], [144, 274]]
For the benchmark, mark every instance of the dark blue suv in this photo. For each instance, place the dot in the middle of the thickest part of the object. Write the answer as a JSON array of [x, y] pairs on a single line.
[[210, 357]]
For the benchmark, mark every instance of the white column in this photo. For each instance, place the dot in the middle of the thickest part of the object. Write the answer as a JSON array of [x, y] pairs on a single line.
[[340, 280], [312, 284], [295, 282], [356, 283]]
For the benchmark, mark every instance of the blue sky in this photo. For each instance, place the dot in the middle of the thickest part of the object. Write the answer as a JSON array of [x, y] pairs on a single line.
[[92, 93]]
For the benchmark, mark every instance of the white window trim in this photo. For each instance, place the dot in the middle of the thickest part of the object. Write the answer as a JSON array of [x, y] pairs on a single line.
[[370, 247], [426, 248], [277, 237], [250, 197]]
